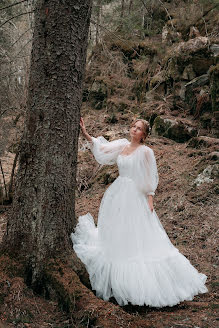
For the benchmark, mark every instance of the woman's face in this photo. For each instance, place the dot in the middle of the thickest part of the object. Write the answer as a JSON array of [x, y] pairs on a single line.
[[137, 131]]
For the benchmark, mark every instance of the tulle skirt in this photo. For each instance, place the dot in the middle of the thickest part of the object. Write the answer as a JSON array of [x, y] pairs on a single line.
[[129, 256]]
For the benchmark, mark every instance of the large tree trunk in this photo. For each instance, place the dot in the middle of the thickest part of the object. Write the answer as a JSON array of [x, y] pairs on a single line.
[[43, 206]]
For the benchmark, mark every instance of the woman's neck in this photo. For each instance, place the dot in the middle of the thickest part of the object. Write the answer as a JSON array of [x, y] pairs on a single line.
[[134, 143]]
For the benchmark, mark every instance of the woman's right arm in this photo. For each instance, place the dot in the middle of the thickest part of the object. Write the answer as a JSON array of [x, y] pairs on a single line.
[[83, 129], [104, 151]]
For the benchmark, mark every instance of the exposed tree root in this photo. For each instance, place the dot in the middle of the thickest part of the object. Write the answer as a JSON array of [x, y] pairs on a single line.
[[77, 299], [63, 285]]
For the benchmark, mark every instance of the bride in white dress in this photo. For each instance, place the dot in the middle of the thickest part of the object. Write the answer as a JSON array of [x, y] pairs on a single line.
[[128, 255]]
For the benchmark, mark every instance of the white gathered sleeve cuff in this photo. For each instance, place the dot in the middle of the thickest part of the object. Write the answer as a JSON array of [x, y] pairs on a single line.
[[106, 152], [151, 193]]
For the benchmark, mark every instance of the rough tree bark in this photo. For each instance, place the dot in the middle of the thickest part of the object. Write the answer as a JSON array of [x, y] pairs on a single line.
[[43, 207]]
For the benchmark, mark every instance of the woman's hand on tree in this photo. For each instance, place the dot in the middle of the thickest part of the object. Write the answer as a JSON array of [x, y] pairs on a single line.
[[82, 125], [83, 129]]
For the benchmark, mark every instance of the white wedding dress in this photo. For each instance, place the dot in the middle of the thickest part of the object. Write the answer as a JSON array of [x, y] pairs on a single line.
[[128, 254]]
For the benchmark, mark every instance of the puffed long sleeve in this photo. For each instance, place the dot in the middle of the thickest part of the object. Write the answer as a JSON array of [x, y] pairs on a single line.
[[146, 171], [151, 171], [106, 152]]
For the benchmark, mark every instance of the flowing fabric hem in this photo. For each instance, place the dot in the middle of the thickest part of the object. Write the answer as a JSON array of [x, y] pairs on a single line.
[[158, 283]]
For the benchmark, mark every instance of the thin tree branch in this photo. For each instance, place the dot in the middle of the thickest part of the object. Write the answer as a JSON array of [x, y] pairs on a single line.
[[8, 62], [116, 36], [168, 14], [6, 194], [20, 37], [11, 73], [13, 4], [16, 56], [8, 20], [142, 1], [12, 175], [4, 111]]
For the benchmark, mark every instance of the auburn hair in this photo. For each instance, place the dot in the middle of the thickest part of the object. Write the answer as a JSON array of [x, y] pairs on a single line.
[[146, 128]]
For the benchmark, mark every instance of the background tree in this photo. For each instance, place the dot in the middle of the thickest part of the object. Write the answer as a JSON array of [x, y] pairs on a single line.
[[42, 215], [15, 46]]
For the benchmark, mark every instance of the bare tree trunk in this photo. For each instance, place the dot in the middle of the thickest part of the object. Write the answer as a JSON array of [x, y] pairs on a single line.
[[12, 176], [143, 23], [99, 8], [3, 176], [43, 206]]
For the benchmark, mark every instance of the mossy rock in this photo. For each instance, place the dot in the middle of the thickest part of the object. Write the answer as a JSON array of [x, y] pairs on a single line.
[[214, 86], [132, 49], [205, 120], [215, 124], [190, 88], [201, 64], [190, 58], [188, 73], [181, 133], [204, 142], [158, 78], [172, 129], [160, 126], [173, 71], [118, 105], [98, 94]]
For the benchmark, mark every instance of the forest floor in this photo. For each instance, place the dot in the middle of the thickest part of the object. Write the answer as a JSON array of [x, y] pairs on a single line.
[[189, 214]]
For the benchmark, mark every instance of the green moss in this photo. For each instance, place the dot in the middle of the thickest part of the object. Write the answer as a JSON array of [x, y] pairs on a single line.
[[160, 126], [112, 119], [98, 94], [158, 78], [133, 49], [173, 69], [172, 130]]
